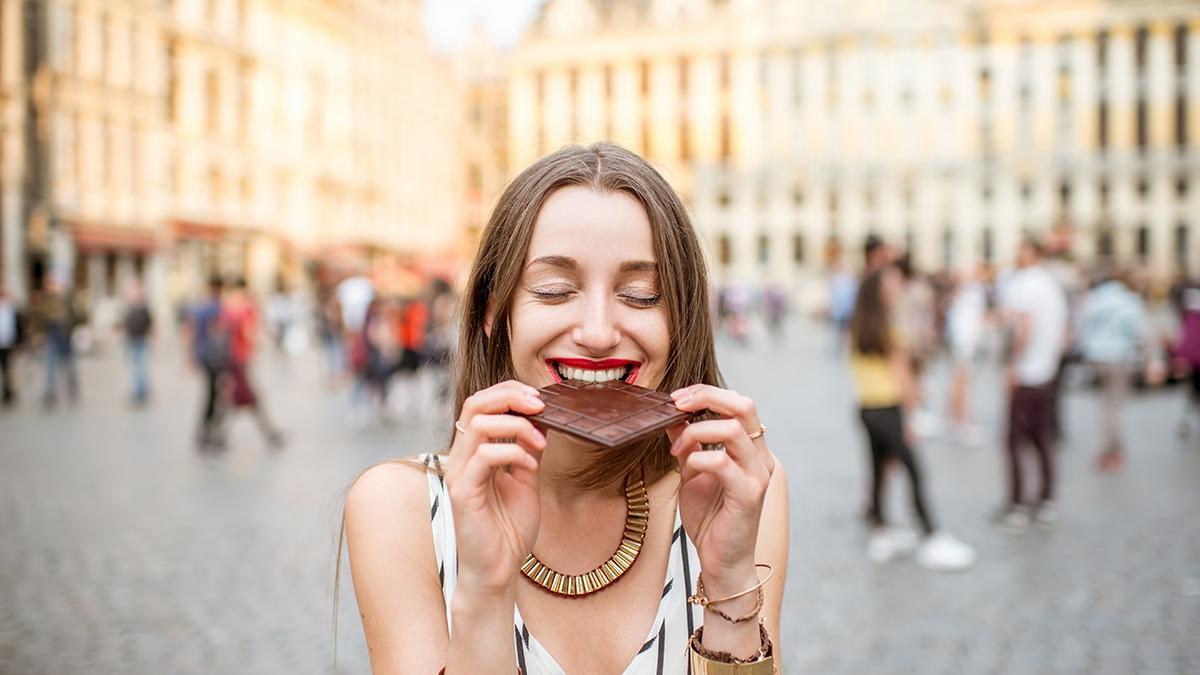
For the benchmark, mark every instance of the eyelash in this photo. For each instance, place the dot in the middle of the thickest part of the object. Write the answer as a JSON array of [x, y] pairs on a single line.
[[558, 296]]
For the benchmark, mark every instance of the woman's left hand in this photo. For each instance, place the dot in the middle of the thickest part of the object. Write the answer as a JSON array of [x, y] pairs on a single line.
[[722, 491]]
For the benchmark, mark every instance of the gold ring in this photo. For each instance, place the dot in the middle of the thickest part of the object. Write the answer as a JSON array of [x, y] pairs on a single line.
[[459, 425], [758, 434]]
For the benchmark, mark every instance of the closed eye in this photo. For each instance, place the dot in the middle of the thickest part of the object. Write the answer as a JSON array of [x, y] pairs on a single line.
[[550, 295], [649, 300]]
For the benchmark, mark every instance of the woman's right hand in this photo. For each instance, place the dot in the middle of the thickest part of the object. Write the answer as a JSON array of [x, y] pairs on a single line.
[[492, 480]]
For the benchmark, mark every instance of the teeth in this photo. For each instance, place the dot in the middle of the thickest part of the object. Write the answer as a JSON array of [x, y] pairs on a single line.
[[588, 375]]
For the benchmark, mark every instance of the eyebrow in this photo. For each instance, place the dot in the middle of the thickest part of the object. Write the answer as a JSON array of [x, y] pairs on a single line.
[[570, 264]]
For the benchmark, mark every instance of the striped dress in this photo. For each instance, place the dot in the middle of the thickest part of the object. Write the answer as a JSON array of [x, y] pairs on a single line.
[[665, 649]]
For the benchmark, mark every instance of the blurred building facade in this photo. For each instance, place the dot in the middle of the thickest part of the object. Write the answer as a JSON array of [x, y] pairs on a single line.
[[948, 127], [170, 141]]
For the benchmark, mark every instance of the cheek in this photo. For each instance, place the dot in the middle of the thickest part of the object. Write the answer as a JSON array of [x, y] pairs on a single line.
[[653, 334], [533, 326]]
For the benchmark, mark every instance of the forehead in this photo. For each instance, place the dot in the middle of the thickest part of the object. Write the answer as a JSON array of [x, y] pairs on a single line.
[[585, 223]]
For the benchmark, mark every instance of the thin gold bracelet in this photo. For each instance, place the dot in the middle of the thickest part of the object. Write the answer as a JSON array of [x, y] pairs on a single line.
[[699, 599]]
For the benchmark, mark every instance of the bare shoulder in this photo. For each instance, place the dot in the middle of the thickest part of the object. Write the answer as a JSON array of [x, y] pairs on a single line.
[[394, 568], [387, 489]]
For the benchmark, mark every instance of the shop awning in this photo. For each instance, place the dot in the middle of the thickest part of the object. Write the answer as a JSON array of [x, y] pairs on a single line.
[[98, 238]]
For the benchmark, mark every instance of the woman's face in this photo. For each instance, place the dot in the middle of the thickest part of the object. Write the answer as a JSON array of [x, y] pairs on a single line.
[[588, 306]]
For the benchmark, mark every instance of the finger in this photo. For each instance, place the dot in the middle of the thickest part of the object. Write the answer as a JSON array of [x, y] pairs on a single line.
[[724, 402], [489, 428], [674, 432], [727, 432], [500, 398], [492, 456], [721, 466]]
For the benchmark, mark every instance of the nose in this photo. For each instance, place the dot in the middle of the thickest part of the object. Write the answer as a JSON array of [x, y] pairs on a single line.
[[596, 330]]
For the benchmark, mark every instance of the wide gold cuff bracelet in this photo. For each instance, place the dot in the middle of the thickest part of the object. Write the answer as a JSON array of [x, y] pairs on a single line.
[[709, 663]]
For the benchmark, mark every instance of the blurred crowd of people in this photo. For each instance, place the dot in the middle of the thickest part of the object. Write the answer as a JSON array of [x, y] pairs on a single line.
[[370, 339], [1045, 320]]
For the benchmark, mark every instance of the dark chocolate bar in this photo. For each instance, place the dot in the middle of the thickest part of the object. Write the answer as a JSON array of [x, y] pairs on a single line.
[[607, 413]]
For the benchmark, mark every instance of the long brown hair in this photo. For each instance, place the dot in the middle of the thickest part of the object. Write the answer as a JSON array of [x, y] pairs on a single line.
[[870, 327], [484, 359]]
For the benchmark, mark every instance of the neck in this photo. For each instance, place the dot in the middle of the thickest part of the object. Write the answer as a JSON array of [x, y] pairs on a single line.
[[562, 460]]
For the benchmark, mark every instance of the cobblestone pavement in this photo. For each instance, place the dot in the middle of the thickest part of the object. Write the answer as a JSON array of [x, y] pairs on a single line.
[[124, 551]]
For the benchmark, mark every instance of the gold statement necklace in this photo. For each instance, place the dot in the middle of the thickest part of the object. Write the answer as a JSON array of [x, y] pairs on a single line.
[[637, 515]]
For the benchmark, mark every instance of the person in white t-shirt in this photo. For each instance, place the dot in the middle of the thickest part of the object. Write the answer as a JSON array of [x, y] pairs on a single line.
[[1035, 309]]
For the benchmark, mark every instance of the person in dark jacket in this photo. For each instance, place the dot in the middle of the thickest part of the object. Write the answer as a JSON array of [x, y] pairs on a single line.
[[55, 318], [138, 324]]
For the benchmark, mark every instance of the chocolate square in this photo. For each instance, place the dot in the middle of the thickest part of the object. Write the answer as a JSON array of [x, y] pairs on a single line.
[[608, 414]]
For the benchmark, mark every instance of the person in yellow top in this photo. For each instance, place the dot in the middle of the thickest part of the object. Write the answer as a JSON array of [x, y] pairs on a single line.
[[883, 380]]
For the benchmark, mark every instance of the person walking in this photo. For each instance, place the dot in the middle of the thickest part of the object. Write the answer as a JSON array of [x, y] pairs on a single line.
[[1187, 351], [137, 325], [1035, 308], [10, 338], [239, 318], [886, 390], [1113, 328], [210, 355], [965, 319], [55, 320]]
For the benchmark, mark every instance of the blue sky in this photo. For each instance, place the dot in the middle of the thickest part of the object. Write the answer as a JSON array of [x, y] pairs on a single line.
[[449, 22]]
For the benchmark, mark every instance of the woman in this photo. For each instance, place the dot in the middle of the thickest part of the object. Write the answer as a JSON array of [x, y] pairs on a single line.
[[589, 256], [886, 391]]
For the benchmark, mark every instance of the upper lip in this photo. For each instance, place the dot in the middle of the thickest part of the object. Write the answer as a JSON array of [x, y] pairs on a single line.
[[590, 364]]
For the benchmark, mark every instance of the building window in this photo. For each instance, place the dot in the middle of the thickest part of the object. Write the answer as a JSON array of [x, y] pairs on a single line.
[[1142, 131], [764, 249], [1143, 242], [1181, 188], [797, 197], [726, 143], [798, 249], [172, 66], [724, 199], [1102, 125], [947, 247], [723, 71], [1104, 194], [1104, 243], [724, 250], [685, 142], [988, 245], [1140, 39], [1143, 188], [1181, 46], [1181, 246], [1181, 115], [213, 97]]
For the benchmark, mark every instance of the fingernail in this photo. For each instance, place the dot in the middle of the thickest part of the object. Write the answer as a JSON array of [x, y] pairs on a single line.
[[539, 435], [678, 392], [683, 400], [534, 400]]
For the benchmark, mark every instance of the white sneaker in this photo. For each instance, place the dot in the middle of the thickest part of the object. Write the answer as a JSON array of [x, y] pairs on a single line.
[[1014, 519], [1046, 515], [941, 552], [888, 544]]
